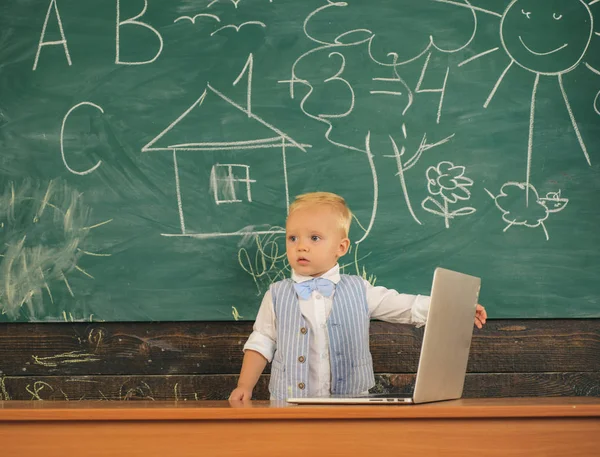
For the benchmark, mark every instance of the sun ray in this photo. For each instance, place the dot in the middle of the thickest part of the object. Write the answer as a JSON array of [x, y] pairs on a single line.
[[477, 56], [43, 203], [97, 225], [49, 293], [581, 143], [545, 230], [489, 99], [471, 7], [67, 284], [530, 140], [27, 298], [95, 254], [592, 69], [11, 204], [84, 272]]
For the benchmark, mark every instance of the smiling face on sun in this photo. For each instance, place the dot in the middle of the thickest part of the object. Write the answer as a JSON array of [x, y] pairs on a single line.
[[546, 36]]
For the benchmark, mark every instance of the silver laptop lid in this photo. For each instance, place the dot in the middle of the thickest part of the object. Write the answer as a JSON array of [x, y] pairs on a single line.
[[447, 338]]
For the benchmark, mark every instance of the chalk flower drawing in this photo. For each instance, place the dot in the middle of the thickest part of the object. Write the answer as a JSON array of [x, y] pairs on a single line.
[[448, 182], [516, 210]]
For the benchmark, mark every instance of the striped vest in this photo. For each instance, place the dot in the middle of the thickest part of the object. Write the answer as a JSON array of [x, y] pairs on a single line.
[[348, 331]]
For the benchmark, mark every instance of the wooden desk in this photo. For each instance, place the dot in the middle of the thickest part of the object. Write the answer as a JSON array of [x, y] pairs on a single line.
[[470, 427]]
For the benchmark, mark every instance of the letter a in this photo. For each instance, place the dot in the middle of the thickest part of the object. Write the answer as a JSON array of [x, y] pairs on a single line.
[[52, 43], [134, 21]]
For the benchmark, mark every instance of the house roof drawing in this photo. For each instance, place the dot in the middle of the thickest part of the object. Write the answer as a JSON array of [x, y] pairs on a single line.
[[228, 119]]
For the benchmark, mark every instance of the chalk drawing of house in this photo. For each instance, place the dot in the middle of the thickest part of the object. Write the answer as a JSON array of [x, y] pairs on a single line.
[[222, 188]]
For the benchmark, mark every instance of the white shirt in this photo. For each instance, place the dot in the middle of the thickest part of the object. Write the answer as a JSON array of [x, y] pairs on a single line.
[[383, 304]]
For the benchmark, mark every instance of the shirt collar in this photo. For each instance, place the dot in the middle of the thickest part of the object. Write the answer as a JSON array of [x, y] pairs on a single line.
[[333, 275]]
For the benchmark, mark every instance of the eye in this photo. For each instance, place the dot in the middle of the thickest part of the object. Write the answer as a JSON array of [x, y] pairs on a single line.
[[292, 238], [557, 18], [526, 13], [315, 237]]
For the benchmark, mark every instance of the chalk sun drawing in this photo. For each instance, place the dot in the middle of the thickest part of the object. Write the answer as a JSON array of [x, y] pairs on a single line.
[[546, 38]]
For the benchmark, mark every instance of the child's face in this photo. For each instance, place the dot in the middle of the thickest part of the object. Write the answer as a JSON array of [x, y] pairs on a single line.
[[314, 240]]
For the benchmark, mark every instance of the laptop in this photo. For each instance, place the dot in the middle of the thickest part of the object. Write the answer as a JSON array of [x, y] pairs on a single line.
[[445, 349]]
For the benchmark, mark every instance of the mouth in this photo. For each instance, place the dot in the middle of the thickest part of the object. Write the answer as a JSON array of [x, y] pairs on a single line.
[[541, 53], [303, 261]]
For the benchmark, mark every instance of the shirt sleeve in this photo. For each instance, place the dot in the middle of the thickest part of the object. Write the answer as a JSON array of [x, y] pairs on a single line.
[[391, 306], [263, 339]]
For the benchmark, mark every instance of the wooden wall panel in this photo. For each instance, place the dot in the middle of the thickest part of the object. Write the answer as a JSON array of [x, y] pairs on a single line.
[[189, 360]]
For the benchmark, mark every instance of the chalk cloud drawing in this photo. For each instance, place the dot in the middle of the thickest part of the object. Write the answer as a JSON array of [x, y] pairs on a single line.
[[225, 176], [447, 183], [512, 203], [44, 229]]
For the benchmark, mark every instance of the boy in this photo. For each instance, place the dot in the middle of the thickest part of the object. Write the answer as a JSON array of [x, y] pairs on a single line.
[[314, 327]]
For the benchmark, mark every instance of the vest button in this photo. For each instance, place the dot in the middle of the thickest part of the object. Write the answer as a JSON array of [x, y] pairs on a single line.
[[303, 330], [301, 359], [301, 386]]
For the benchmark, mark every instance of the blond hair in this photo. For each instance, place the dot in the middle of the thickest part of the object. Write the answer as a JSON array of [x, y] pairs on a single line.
[[334, 201]]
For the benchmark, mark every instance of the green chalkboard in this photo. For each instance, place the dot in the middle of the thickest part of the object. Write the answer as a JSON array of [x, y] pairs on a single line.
[[149, 150]]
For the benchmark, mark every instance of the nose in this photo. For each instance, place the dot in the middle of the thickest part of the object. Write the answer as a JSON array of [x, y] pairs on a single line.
[[302, 246]]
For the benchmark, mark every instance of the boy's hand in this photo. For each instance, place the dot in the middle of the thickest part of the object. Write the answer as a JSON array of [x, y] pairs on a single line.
[[480, 316], [241, 394]]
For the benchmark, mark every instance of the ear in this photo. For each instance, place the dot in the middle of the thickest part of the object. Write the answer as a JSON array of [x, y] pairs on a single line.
[[343, 247]]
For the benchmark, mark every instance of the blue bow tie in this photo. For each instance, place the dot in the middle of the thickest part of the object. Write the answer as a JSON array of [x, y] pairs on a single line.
[[304, 289]]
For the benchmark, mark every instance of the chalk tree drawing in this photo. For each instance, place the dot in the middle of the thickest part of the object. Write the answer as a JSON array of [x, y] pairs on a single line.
[[277, 140], [402, 168], [512, 203], [44, 231], [567, 27], [449, 183], [359, 43]]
